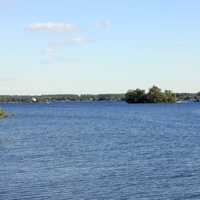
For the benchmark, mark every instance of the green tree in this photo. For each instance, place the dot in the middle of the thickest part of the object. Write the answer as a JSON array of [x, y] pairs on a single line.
[[155, 95], [136, 96], [170, 97]]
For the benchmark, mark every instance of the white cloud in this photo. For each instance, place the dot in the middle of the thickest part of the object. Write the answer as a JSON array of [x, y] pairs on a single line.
[[104, 24], [53, 27], [71, 41], [59, 60], [78, 40], [51, 55]]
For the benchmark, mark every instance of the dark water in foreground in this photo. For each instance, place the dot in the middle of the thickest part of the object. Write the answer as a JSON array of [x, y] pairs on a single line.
[[100, 151]]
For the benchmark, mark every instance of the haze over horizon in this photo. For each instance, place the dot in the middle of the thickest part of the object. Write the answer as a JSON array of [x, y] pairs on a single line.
[[51, 47]]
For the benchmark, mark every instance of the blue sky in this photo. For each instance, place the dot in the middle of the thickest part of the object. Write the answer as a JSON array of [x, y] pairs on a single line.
[[85, 46]]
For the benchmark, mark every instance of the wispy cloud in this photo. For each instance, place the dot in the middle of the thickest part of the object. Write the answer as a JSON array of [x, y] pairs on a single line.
[[49, 51], [51, 55], [53, 27], [81, 40], [103, 24], [59, 60], [78, 40]]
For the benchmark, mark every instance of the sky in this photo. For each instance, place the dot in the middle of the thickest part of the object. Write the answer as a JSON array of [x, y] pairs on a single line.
[[92, 46]]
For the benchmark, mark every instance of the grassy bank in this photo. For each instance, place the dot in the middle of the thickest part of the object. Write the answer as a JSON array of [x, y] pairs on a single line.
[[3, 113]]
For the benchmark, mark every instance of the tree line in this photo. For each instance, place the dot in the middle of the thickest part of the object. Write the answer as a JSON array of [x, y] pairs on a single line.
[[60, 98], [154, 95]]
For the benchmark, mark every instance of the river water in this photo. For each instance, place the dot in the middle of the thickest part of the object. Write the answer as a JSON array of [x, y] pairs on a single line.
[[100, 151]]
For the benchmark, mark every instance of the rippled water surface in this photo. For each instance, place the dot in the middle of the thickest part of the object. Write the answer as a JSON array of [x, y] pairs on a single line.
[[100, 151]]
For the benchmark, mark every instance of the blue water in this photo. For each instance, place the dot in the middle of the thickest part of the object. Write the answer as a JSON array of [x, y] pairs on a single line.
[[100, 151]]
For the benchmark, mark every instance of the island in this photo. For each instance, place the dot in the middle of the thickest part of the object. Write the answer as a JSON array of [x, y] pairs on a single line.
[[154, 95]]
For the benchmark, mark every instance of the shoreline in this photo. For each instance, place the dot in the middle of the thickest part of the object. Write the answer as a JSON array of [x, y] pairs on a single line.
[[95, 101], [3, 113]]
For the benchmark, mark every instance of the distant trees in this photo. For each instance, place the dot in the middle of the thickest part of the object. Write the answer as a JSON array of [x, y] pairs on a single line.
[[60, 98], [136, 96], [194, 97], [170, 97], [154, 95]]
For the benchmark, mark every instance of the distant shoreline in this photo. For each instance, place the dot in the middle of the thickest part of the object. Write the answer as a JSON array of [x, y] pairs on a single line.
[[60, 98], [181, 97]]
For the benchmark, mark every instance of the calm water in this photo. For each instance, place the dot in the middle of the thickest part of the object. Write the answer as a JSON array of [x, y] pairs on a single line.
[[100, 151]]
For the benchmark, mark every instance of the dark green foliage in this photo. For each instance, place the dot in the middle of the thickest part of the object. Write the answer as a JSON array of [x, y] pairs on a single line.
[[154, 95], [170, 96], [136, 96], [2, 114]]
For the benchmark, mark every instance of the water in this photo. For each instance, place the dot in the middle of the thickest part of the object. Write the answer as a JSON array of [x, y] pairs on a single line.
[[100, 151]]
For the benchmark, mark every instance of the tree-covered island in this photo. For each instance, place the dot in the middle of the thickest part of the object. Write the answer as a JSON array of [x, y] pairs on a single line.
[[154, 95]]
